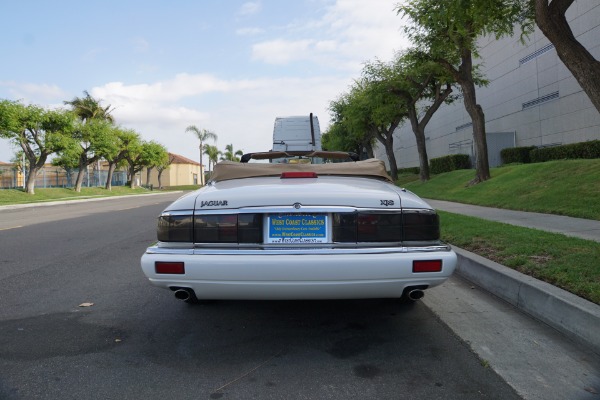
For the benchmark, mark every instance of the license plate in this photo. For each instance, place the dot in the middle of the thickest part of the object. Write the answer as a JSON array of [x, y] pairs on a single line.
[[297, 228]]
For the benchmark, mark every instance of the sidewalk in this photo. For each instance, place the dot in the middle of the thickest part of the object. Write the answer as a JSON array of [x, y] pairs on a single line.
[[576, 227], [575, 317]]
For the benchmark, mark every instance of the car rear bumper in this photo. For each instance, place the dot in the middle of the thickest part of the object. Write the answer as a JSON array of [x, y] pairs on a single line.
[[278, 276]]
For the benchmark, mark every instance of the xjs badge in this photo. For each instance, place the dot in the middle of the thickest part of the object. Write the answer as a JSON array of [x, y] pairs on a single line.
[[387, 203]]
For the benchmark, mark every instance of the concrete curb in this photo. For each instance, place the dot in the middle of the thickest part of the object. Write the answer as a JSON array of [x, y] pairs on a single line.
[[575, 317]]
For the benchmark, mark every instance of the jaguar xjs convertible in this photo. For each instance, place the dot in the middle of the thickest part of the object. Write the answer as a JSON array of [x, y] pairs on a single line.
[[310, 227]]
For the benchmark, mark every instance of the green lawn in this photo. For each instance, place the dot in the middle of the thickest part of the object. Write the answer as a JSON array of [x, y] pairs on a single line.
[[17, 196], [567, 187], [570, 263]]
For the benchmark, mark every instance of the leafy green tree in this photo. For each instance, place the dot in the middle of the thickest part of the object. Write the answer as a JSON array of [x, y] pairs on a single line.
[[230, 155], [203, 135], [87, 108], [341, 136], [116, 148], [212, 152], [550, 18], [161, 168], [372, 109], [88, 143], [140, 154], [93, 134], [447, 31], [155, 155], [422, 85], [39, 133]]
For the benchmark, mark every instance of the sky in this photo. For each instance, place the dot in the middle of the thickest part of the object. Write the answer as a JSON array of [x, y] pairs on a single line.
[[224, 65]]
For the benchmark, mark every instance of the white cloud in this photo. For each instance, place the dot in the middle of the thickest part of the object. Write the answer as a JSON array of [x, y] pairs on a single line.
[[245, 119], [281, 51], [250, 8], [140, 45], [249, 31], [349, 33], [32, 92]]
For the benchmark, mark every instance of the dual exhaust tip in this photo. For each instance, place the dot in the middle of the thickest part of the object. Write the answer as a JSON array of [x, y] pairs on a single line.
[[185, 294], [188, 295]]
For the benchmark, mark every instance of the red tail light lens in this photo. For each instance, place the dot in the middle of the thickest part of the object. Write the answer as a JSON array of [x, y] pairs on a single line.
[[169, 267], [367, 227], [427, 265], [215, 229], [175, 228], [421, 225], [228, 228]]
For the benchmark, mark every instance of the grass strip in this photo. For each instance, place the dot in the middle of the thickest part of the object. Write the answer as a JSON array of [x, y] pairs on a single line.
[[566, 187], [570, 263], [17, 196]]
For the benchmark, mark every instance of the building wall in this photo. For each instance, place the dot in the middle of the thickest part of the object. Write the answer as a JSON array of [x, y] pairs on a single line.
[[531, 94], [175, 175]]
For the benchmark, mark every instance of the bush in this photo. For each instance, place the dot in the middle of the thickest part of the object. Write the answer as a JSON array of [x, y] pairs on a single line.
[[411, 170], [449, 163], [588, 150], [516, 155]]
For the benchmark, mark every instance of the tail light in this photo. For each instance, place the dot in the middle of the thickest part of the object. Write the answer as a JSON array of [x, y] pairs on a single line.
[[217, 228], [175, 227], [408, 225], [421, 225], [427, 265], [163, 267], [228, 228], [367, 227]]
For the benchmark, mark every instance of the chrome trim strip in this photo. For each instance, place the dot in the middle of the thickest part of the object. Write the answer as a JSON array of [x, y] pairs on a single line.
[[298, 250], [291, 209]]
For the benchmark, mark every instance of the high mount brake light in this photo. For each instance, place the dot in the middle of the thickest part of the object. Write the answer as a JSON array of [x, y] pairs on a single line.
[[298, 174]]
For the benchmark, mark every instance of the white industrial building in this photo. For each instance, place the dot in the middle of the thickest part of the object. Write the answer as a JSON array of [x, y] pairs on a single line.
[[531, 100]]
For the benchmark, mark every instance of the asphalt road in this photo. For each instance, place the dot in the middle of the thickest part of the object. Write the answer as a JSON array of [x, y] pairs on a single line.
[[136, 341]]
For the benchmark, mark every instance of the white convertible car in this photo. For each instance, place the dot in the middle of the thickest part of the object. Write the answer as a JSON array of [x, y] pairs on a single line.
[[305, 229]]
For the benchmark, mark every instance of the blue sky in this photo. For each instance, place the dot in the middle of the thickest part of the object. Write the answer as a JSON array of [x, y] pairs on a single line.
[[227, 66]]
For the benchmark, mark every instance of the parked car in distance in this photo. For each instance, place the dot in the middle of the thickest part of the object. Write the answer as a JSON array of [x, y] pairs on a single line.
[[303, 229]]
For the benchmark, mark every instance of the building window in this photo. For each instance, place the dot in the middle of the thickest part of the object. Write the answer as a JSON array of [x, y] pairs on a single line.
[[540, 100], [536, 54]]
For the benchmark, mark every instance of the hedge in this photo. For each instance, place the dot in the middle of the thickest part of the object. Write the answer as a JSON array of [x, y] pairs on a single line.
[[449, 163], [516, 155], [411, 170], [589, 149]]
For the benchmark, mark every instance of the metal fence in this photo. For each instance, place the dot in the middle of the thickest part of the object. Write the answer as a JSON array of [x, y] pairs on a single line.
[[46, 178]]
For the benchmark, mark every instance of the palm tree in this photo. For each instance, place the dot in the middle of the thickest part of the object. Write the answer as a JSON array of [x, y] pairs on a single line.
[[87, 108], [203, 135], [213, 155], [230, 155]]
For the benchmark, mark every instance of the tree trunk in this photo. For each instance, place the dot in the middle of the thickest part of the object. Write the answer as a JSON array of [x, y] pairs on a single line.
[[30, 183], [148, 172], [585, 68], [132, 173], [386, 138], [369, 149], [160, 171], [424, 174], [201, 173], [419, 132], [482, 166], [111, 170]]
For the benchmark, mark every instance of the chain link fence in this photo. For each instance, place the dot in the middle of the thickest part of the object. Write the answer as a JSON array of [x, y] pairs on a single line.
[[52, 178]]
